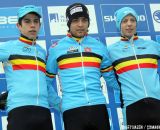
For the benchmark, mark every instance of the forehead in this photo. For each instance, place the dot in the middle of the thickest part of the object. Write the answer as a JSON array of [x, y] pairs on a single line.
[[129, 16], [31, 16], [81, 17]]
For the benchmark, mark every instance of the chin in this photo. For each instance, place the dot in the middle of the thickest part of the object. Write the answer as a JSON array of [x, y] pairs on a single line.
[[32, 38]]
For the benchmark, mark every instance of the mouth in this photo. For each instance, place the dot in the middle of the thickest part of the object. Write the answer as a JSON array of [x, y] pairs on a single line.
[[129, 30], [33, 31], [80, 30]]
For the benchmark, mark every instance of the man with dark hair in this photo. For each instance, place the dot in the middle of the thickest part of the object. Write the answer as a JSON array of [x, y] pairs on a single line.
[[136, 63], [24, 64], [80, 60]]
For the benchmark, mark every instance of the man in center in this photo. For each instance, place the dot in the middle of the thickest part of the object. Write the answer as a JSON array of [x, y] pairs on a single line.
[[80, 61]]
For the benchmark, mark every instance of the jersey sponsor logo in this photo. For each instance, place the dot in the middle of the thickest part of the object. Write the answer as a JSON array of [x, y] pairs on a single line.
[[87, 49], [72, 49], [54, 44]]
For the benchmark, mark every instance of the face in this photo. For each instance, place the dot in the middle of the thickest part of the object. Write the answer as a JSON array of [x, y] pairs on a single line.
[[128, 26], [79, 27], [30, 26]]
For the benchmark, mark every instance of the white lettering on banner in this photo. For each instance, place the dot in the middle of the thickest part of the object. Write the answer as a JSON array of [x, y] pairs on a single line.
[[75, 10], [110, 18], [8, 19]]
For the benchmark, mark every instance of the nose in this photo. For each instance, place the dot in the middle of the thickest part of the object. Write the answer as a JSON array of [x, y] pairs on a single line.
[[80, 22], [129, 23], [32, 24]]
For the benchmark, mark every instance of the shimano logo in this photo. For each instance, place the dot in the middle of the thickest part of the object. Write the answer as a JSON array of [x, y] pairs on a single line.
[[156, 16], [110, 18], [8, 20]]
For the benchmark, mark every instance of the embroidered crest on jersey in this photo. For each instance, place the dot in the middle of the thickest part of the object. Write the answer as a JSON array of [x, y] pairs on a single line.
[[87, 49], [54, 44], [72, 49]]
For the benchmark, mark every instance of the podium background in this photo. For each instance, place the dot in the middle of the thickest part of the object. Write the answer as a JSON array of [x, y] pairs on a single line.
[[102, 27]]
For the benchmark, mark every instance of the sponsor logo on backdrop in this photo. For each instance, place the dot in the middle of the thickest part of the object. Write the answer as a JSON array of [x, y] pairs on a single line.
[[57, 20], [8, 21], [156, 16], [108, 18], [155, 11]]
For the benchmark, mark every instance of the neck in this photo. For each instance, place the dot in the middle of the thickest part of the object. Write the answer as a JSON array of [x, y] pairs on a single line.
[[26, 40], [125, 38], [78, 39]]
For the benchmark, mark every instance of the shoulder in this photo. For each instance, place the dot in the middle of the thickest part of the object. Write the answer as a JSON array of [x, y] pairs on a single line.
[[113, 45], [148, 41], [57, 43], [95, 41], [8, 43]]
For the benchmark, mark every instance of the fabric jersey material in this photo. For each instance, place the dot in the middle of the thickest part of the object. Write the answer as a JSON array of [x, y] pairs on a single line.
[[80, 66], [24, 66], [136, 64]]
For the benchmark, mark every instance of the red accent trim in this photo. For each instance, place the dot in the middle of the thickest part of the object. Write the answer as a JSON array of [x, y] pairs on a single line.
[[132, 67], [79, 64], [26, 41], [28, 67], [126, 39]]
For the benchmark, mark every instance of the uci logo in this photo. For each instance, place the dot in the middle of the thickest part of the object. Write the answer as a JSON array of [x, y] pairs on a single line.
[[8, 19], [156, 16]]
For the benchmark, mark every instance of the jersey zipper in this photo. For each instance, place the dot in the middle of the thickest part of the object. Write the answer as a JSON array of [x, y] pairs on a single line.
[[140, 72], [38, 89], [83, 72]]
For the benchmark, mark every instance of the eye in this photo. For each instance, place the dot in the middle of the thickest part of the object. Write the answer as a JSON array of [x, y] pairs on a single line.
[[124, 21], [36, 21], [75, 20], [27, 21], [133, 20]]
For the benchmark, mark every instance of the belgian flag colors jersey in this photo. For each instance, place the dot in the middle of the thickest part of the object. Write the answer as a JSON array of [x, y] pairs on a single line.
[[25, 67], [80, 65], [136, 64]]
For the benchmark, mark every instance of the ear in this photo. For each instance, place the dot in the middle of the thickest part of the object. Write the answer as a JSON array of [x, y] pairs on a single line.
[[18, 25]]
